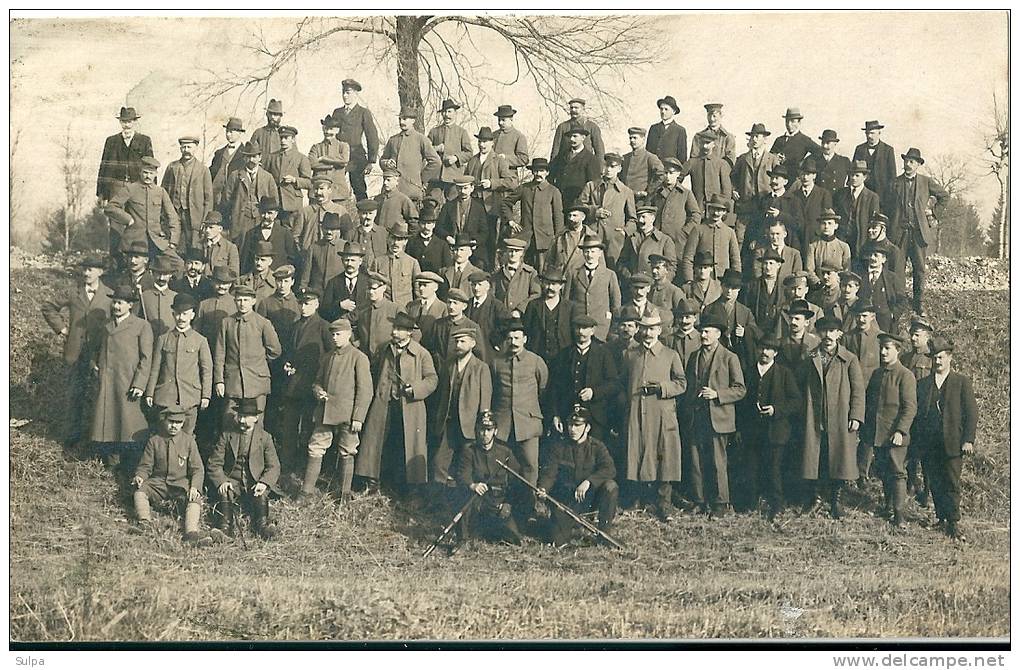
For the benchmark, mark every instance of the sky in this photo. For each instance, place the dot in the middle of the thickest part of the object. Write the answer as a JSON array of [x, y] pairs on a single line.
[[929, 77]]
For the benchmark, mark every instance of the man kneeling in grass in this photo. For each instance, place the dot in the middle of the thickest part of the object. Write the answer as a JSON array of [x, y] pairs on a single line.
[[171, 471]]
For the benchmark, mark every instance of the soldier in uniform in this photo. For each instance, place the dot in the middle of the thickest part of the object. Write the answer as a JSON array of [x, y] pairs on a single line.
[[356, 121], [515, 284], [453, 144], [373, 319], [394, 206], [332, 155], [579, 120]]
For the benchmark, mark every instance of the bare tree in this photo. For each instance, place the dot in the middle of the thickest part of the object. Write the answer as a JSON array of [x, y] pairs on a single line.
[[449, 55], [14, 194], [996, 161], [72, 168]]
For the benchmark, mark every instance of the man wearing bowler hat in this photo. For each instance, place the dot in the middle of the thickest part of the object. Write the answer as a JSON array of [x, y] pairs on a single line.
[[193, 281], [833, 169], [547, 319], [292, 172], [322, 260], [565, 250], [643, 243], [667, 138], [642, 170], [369, 233], [594, 287], [465, 216], [430, 250], [541, 213], [794, 145], [356, 122], [457, 272], [881, 161], [268, 136], [916, 198], [882, 287], [703, 287], [453, 144], [574, 166], [583, 373], [510, 143], [243, 192], [412, 154], [857, 205], [487, 312], [612, 201], [515, 284], [122, 156], [272, 232], [579, 120], [154, 218], [348, 290], [332, 156], [741, 330], [227, 158], [808, 200], [772, 205], [189, 184], [764, 294], [725, 145]]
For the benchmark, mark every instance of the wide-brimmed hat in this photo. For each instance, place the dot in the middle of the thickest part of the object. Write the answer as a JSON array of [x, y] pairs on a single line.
[[222, 274], [860, 166], [913, 153], [250, 148], [829, 214], [504, 111], [162, 264], [703, 259], [779, 171], [124, 292], [485, 134], [758, 129], [274, 107], [731, 279], [399, 230], [668, 100], [553, 273], [234, 123], [793, 113], [717, 201], [591, 242], [449, 103], [872, 125], [128, 114]]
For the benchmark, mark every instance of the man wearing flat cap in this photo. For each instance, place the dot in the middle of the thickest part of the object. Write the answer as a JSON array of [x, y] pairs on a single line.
[[677, 210], [833, 169], [579, 120], [516, 283], [372, 320], [594, 287], [268, 136], [356, 122], [453, 144], [725, 145], [412, 154], [667, 138], [794, 145], [122, 156], [307, 225], [425, 307], [613, 204], [856, 205], [510, 143], [394, 206], [292, 172], [703, 287], [946, 430], [243, 192], [574, 166], [189, 184], [541, 213], [642, 170], [152, 214], [880, 159], [710, 175], [227, 158], [565, 250], [269, 231], [87, 302], [583, 373], [332, 155]]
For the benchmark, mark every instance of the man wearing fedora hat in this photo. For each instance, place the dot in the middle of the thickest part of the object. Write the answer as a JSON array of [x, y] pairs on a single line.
[[677, 211], [332, 155], [189, 184], [574, 165], [430, 250], [157, 300], [584, 372], [268, 136], [487, 312], [271, 231], [725, 145], [515, 284], [136, 273], [541, 213], [181, 366], [292, 172], [750, 177], [876, 233], [741, 332], [547, 319], [453, 144], [770, 205], [639, 287], [565, 250], [881, 161], [833, 169], [150, 209], [322, 260], [703, 287], [594, 287], [348, 290], [807, 202], [764, 294], [123, 363], [356, 122], [493, 178], [793, 330], [667, 138], [465, 216], [412, 154], [916, 198], [193, 280], [87, 302], [460, 268], [122, 156], [857, 205], [579, 120], [439, 339], [243, 192], [643, 243], [227, 158], [510, 143], [398, 268], [796, 287], [794, 145], [614, 207], [713, 237], [882, 287], [261, 278], [642, 170], [307, 226]]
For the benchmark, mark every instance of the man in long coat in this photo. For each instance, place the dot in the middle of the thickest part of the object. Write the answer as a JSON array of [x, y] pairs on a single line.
[[123, 363], [833, 388], [574, 166], [243, 192], [413, 154], [880, 159], [655, 378], [395, 438], [189, 184], [594, 287], [227, 158], [453, 144], [541, 218], [642, 170], [613, 204]]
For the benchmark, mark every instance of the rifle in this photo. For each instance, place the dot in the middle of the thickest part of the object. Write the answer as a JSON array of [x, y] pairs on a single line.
[[449, 527], [584, 523]]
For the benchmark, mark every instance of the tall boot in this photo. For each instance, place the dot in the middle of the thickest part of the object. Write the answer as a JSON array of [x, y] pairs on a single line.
[[887, 499], [142, 510], [192, 514], [312, 469], [260, 516], [836, 488], [899, 490], [812, 499], [346, 477], [224, 521]]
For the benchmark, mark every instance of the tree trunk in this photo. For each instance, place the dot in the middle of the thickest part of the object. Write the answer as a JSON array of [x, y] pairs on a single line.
[[408, 37], [1003, 221]]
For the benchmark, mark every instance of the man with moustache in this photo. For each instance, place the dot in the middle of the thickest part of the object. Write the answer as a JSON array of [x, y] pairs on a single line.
[[356, 122], [122, 157], [189, 184], [227, 158], [667, 138], [578, 121]]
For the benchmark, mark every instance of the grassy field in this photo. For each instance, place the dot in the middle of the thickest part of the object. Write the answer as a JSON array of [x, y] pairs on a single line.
[[77, 574]]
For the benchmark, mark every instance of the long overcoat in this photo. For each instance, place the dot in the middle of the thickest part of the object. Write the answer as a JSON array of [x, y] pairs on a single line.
[[653, 432], [124, 361], [832, 400]]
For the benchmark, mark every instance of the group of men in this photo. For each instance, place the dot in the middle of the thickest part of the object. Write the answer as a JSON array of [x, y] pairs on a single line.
[[601, 328]]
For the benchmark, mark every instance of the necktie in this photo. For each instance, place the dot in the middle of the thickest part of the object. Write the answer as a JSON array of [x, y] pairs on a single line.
[[591, 274], [350, 286], [90, 293]]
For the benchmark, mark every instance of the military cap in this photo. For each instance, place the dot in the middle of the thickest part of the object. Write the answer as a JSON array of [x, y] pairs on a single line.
[[162, 264], [862, 307], [829, 214], [646, 209], [213, 218], [149, 163], [222, 274], [463, 179], [920, 324], [504, 111], [428, 277], [464, 331], [913, 153], [539, 164], [367, 205], [779, 171], [275, 106], [339, 325], [859, 166], [872, 125], [703, 259], [802, 307], [92, 261], [670, 101], [241, 290], [188, 139], [940, 344], [457, 294], [284, 271], [351, 249], [651, 319], [124, 292], [673, 164], [267, 203], [264, 248], [182, 302], [576, 208], [713, 106], [376, 279], [758, 129], [712, 319], [731, 279], [194, 254], [174, 413], [827, 323], [464, 240], [247, 407], [793, 113], [580, 414], [640, 279], [404, 321], [637, 130], [772, 255], [486, 419], [234, 123], [612, 159], [407, 113], [478, 276], [128, 114], [308, 294], [390, 172], [794, 279], [688, 306], [250, 148], [659, 258], [848, 275], [890, 337], [829, 135], [717, 201], [580, 101], [514, 243], [629, 313], [878, 219], [580, 130], [809, 165], [769, 342], [591, 242], [350, 84], [322, 178], [331, 221], [582, 320], [485, 134], [553, 273]]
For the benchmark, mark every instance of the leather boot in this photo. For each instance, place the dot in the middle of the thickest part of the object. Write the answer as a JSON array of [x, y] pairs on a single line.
[[953, 531], [834, 504], [887, 500], [192, 514], [312, 469], [260, 516], [812, 501], [346, 477], [899, 491]]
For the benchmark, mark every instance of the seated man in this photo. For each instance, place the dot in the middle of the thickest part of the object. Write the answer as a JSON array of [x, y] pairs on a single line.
[[244, 463], [480, 473], [171, 471], [581, 475]]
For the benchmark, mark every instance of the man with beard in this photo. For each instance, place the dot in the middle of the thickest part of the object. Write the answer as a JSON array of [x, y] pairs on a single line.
[[547, 319], [268, 136], [372, 236], [565, 250], [269, 231], [579, 120], [642, 170], [189, 184], [194, 282], [308, 227]]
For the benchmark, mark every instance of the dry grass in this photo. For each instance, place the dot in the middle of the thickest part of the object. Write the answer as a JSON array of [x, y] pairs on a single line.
[[78, 575]]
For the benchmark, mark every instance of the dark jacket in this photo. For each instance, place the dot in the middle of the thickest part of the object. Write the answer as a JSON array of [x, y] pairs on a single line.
[[777, 388], [544, 338], [541, 216], [173, 459], [833, 173], [946, 416], [84, 322], [263, 465], [794, 148], [570, 173], [569, 373], [569, 464], [121, 162], [882, 166], [890, 405], [667, 141], [478, 465]]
